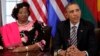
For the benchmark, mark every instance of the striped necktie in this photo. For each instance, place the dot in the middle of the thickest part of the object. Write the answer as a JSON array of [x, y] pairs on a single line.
[[73, 36]]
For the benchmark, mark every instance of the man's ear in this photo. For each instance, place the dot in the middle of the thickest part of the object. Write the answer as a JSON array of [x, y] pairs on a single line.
[[66, 15]]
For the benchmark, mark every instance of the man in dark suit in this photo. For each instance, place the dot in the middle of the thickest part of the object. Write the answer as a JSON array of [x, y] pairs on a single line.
[[85, 43]]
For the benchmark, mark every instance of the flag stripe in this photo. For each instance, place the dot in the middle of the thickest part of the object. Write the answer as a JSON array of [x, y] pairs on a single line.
[[57, 10], [98, 5], [61, 6], [39, 10], [42, 5], [64, 2], [55, 13], [31, 14], [92, 6], [44, 1], [35, 11]]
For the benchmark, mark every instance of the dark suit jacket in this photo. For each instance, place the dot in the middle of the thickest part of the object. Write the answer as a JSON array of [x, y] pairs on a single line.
[[85, 36]]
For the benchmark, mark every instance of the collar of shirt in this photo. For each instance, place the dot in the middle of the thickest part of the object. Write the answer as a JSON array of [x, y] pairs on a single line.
[[71, 25]]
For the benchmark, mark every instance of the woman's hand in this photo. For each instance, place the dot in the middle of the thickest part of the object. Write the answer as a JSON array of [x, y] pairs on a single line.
[[34, 47], [1, 47], [19, 49]]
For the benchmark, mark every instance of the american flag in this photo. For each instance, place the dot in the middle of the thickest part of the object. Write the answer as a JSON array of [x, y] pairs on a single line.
[[38, 10], [48, 11]]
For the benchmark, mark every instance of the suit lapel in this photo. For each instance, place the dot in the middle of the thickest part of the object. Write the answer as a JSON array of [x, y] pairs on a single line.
[[67, 29], [66, 33], [80, 31]]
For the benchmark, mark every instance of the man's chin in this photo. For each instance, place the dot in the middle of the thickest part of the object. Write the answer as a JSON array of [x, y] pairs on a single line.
[[76, 21]]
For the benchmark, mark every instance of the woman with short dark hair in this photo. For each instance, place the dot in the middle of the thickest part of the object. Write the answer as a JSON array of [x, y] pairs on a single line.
[[23, 35]]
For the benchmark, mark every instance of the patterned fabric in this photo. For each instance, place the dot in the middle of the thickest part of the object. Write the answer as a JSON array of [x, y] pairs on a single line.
[[73, 35], [31, 33]]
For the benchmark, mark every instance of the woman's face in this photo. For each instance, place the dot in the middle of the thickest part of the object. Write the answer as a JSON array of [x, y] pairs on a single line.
[[23, 14]]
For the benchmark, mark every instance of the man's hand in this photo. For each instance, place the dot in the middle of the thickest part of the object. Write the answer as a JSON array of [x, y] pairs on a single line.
[[62, 53], [74, 51]]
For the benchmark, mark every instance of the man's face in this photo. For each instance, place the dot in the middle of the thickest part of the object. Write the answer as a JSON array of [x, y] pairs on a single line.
[[73, 13]]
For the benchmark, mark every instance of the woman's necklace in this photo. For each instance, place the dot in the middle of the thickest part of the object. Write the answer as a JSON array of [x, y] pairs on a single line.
[[22, 24]]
